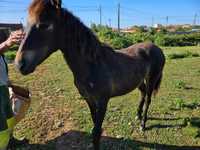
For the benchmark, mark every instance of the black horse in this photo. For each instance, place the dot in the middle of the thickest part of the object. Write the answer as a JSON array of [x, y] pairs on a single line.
[[99, 72]]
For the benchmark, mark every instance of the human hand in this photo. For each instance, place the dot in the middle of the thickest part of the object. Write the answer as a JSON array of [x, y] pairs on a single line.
[[15, 38]]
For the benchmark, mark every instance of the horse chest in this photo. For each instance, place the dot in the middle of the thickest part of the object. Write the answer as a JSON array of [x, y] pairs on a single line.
[[92, 89]]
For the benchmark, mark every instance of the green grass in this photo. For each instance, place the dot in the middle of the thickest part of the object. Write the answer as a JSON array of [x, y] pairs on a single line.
[[182, 55], [182, 52], [57, 108]]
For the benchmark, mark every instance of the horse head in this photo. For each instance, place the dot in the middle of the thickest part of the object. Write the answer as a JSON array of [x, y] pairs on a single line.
[[42, 34]]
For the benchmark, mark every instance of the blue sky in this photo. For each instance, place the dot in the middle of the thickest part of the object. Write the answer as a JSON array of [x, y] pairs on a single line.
[[133, 12]]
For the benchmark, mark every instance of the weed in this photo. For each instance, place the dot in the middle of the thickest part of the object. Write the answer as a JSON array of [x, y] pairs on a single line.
[[180, 84], [179, 103]]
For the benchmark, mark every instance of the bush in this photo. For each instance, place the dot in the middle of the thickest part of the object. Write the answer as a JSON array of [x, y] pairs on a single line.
[[177, 40], [122, 40], [140, 37], [114, 39], [160, 40], [10, 55]]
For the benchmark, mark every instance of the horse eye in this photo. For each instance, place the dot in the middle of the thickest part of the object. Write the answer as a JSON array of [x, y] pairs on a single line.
[[42, 26]]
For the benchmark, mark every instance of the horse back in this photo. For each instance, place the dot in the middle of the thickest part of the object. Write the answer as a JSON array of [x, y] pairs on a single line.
[[148, 51]]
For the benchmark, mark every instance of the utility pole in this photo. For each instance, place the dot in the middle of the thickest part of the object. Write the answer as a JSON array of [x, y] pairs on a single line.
[[109, 20], [167, 20], [100, 15], [118, 14], [152, 19], [198, 19], [195, 19]]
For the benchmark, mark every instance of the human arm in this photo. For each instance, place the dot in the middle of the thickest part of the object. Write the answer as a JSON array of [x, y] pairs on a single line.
[[3, 47], [14, 38]]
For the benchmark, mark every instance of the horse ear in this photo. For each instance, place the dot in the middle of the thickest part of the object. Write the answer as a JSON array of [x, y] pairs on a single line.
[[56, 3]]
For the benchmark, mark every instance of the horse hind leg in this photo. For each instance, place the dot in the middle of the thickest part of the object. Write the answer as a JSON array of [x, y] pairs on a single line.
[[153, 85], [142, 89], [146, 106]]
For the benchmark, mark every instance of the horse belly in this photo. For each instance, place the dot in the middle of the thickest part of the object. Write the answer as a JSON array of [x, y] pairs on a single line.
[[125, 85]]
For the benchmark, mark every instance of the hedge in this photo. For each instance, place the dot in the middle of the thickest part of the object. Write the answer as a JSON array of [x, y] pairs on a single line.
[[122, 40]]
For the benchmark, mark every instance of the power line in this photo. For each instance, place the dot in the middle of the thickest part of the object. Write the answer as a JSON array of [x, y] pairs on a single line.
[[14, 3], [130, 12], [12, 11], [140, 12], [124, 13], [84, 10], [79, 6]]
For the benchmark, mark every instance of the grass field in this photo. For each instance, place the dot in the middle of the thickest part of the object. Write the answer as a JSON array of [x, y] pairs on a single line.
[[59, 118]]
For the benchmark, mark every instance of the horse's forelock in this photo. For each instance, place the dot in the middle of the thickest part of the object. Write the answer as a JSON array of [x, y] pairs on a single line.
[[35, 9]]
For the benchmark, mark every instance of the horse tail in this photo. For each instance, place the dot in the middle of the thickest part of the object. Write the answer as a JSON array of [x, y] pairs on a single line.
[[159, 68], [157, 84]]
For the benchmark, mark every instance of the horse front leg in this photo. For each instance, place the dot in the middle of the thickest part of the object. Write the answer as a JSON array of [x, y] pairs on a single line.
[[98, 110], [92, 108]]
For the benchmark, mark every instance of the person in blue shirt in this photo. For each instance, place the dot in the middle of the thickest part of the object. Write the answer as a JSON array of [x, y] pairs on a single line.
[[7, 120]]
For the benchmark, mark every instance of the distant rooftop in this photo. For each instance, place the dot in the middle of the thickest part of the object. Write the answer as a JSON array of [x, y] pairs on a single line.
[[11, 26]]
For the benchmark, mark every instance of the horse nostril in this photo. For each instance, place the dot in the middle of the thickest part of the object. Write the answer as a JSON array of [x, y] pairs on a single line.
[[20, 64]]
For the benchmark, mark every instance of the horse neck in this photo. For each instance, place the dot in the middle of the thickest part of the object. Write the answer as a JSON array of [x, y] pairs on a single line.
[[80, 45]]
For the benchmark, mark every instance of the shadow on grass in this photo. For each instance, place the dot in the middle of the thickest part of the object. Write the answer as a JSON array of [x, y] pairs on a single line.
[[195, 121], [190, 123], [159, 126], [75, 140], [191, 106], [164, 119]]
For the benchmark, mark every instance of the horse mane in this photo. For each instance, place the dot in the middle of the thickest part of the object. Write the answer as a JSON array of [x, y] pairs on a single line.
[[86, 41]]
